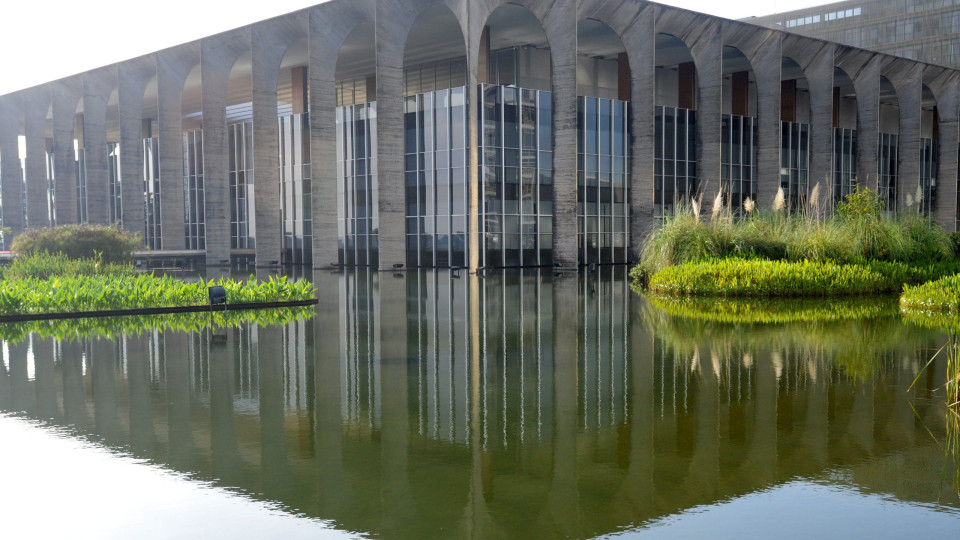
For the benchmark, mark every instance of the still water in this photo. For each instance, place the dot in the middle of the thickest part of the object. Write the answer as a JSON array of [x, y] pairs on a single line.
[[518, 405]]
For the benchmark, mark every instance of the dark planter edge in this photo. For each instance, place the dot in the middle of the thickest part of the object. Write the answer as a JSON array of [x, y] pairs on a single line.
[[25, 317]]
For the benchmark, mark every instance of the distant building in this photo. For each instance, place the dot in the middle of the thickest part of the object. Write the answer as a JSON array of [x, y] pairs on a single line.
[[925, 30], [470, 133]]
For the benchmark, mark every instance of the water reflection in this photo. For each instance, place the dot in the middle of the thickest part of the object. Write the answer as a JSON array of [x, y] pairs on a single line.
[[519, 404]]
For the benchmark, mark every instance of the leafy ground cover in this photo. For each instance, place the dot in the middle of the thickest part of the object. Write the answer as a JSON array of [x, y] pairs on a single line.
[[45, 283]]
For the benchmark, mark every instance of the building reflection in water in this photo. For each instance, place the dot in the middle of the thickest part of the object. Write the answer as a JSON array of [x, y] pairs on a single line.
[[517, 404]]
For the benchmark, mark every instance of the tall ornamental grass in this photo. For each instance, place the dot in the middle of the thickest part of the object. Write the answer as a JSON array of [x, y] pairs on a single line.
[[859, 231]]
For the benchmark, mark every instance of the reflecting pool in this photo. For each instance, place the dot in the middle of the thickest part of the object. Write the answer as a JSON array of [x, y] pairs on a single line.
[[515, 405]]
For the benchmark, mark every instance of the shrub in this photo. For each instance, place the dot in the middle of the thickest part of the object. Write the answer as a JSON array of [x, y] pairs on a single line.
[[738, 277], [101, 242]]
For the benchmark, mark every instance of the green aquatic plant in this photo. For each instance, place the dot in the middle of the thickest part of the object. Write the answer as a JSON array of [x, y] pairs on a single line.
[[775, 310], [61, 294], [111, 327], [763, 278]]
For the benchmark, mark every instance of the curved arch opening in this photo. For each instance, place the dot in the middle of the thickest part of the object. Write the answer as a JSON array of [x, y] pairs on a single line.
[[889, 145], [516, 141], [293, 118], [844, 135], [738, 137], [435, 141], [675, 125], [794, 134], [114, 193], [926, 196], [79, 155], [603, 171], [193, 185], [356, 124], [150, 115], [240, 158]]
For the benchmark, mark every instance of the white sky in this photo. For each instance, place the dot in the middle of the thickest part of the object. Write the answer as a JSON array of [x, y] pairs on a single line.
[[116, 30]]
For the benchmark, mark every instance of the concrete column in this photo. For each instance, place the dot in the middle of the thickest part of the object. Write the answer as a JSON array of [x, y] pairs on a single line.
[[217, 56], [103, 360], [274, 468], [392, 334], [640, 42], [766, 63], [945, 84], [96, 89], [563, 499], [35, 170], [132, 78], [269, 42], [10, 170], [224, 453], [44, 376], [66, 93], [74, 395], [182, 448], [330, 24], [142, 436], [173, 66], [819, 73], [477, 70], [560, 24], [392, 24], [907, 79], [864, 69]]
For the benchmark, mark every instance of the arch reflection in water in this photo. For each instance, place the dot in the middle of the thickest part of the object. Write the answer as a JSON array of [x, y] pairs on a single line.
[[517, 404]]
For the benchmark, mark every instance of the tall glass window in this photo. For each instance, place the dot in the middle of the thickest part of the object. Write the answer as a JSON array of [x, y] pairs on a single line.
[[240, 151], [435, 125], [295, 189], [51, 190], [674, 158], [603, 180], [887, 154], [516, 169], [844, 162], [115, 197], [151, 193], [738, 158], [795, 163], [193, 197], [929, 167], [79, 155], [357, 184]]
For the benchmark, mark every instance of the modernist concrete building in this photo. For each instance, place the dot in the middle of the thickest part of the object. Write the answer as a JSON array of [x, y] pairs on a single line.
[[925, 30], [470, 133]]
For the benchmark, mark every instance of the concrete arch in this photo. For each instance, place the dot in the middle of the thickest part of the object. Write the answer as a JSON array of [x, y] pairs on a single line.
[[66, 99], [11, 121], [817, 62], [36, 103], [945, 86], [330, 25], [132, 79], [863, 67]]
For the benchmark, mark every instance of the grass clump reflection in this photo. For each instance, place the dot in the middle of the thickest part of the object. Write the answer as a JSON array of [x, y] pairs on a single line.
[[112, 327]]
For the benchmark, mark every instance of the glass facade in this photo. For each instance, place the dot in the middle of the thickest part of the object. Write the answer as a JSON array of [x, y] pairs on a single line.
[[604, 347], [795, 163], [738, 158], [887, 160], [603, 180], [151, 193], [193, 197], [929, 167], [844, 163], [435, 127], [240, 152], [115, 198], [441, 75], [81, 186], [357, 222], [516, 169], [295, 189], [674, 158]]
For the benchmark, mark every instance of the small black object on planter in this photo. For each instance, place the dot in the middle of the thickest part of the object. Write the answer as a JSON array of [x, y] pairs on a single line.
[[218, 295]]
